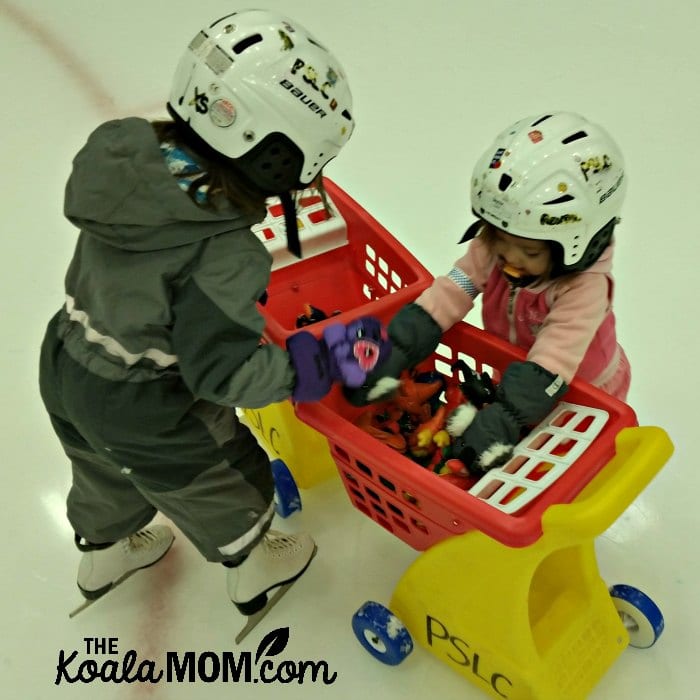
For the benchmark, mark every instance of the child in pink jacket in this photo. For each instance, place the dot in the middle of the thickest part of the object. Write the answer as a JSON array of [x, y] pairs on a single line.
[[547, 193]]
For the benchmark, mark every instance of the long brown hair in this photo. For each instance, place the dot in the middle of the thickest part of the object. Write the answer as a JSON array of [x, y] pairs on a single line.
[[219, 173]]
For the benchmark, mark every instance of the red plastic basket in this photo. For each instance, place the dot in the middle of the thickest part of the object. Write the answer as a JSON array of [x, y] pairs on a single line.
[[371, 274], [414, 503]]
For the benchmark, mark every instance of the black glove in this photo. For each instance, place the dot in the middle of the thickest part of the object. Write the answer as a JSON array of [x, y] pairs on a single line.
[[485, 439], [414, 335]]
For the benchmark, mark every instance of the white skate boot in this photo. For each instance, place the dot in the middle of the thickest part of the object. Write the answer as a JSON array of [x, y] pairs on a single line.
[[103, 568], [277, 562]]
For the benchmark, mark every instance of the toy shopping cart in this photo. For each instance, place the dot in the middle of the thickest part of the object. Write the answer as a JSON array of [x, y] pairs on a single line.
[[352, 266], [508, 591]]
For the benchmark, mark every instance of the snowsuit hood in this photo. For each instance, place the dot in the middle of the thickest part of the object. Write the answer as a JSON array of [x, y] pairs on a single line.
[[160, 286], [122, 192]]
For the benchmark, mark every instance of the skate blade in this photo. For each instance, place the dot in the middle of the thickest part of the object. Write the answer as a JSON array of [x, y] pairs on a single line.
[[89, 601], [255, 618]]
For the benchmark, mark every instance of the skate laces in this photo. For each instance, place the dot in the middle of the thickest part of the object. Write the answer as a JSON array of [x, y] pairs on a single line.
[[280, 543], [140, 540]]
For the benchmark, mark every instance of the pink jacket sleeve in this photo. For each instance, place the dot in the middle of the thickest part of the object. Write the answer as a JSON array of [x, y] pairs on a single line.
[[448, 302]]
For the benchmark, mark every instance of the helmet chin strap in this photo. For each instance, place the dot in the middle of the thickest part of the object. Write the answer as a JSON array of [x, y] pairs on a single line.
[[290, 223]]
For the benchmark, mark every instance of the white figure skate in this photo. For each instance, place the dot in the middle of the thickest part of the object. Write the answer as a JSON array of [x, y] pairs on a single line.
[[277, 562], [102, 569]]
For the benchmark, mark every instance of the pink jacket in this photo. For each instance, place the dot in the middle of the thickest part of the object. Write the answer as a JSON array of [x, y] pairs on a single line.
[[566, 325]]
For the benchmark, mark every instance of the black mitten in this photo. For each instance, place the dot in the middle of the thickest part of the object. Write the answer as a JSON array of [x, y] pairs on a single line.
[[414, 335], [485, 439]]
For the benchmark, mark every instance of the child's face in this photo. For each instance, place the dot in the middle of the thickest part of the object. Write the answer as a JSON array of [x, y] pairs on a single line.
[[529, 257]]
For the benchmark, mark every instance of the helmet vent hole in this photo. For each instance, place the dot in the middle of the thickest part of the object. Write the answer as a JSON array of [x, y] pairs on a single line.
[[560, 200], [246, 43], [347, 115], [504, 182], [575, 137], [540, 120]]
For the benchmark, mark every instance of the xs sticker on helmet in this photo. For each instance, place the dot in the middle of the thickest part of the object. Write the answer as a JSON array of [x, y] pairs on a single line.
[[200, 101]]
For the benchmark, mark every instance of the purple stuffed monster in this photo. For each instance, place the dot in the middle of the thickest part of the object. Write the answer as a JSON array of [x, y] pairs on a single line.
[[346, 353]]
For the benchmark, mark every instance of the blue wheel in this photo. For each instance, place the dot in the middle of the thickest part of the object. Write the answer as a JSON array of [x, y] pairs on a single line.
[[381, 633], [287, 498], [640, 615]]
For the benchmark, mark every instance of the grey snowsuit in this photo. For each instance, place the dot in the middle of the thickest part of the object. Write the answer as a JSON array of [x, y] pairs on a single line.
[[158, 341]]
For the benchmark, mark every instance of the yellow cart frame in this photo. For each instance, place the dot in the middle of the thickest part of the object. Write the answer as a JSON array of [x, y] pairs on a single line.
[[522, 623], [532, 623]]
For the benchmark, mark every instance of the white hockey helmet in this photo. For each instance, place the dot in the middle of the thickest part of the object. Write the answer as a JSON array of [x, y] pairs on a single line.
[[259, 89], [554, 177]]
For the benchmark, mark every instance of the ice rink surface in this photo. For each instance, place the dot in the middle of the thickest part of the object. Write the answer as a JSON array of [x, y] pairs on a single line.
[[432, 83]]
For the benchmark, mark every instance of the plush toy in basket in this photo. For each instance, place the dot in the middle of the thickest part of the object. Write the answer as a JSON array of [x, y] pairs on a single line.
[[427, 417]]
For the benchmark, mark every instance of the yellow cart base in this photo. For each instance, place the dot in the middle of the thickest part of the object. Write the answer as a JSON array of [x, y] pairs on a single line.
[[304, 450], [534, 623]]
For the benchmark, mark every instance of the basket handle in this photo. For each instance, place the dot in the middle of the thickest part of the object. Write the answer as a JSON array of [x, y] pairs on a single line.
[[640, 452]]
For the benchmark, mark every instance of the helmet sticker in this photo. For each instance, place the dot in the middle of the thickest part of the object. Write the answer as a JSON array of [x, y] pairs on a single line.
[[331, 77], [547, 220], [222, 113], [200, 101], [496, 160], [200, 43], [595, 165], [535, 136], [287, 43], [218, 60], [310, 76]]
